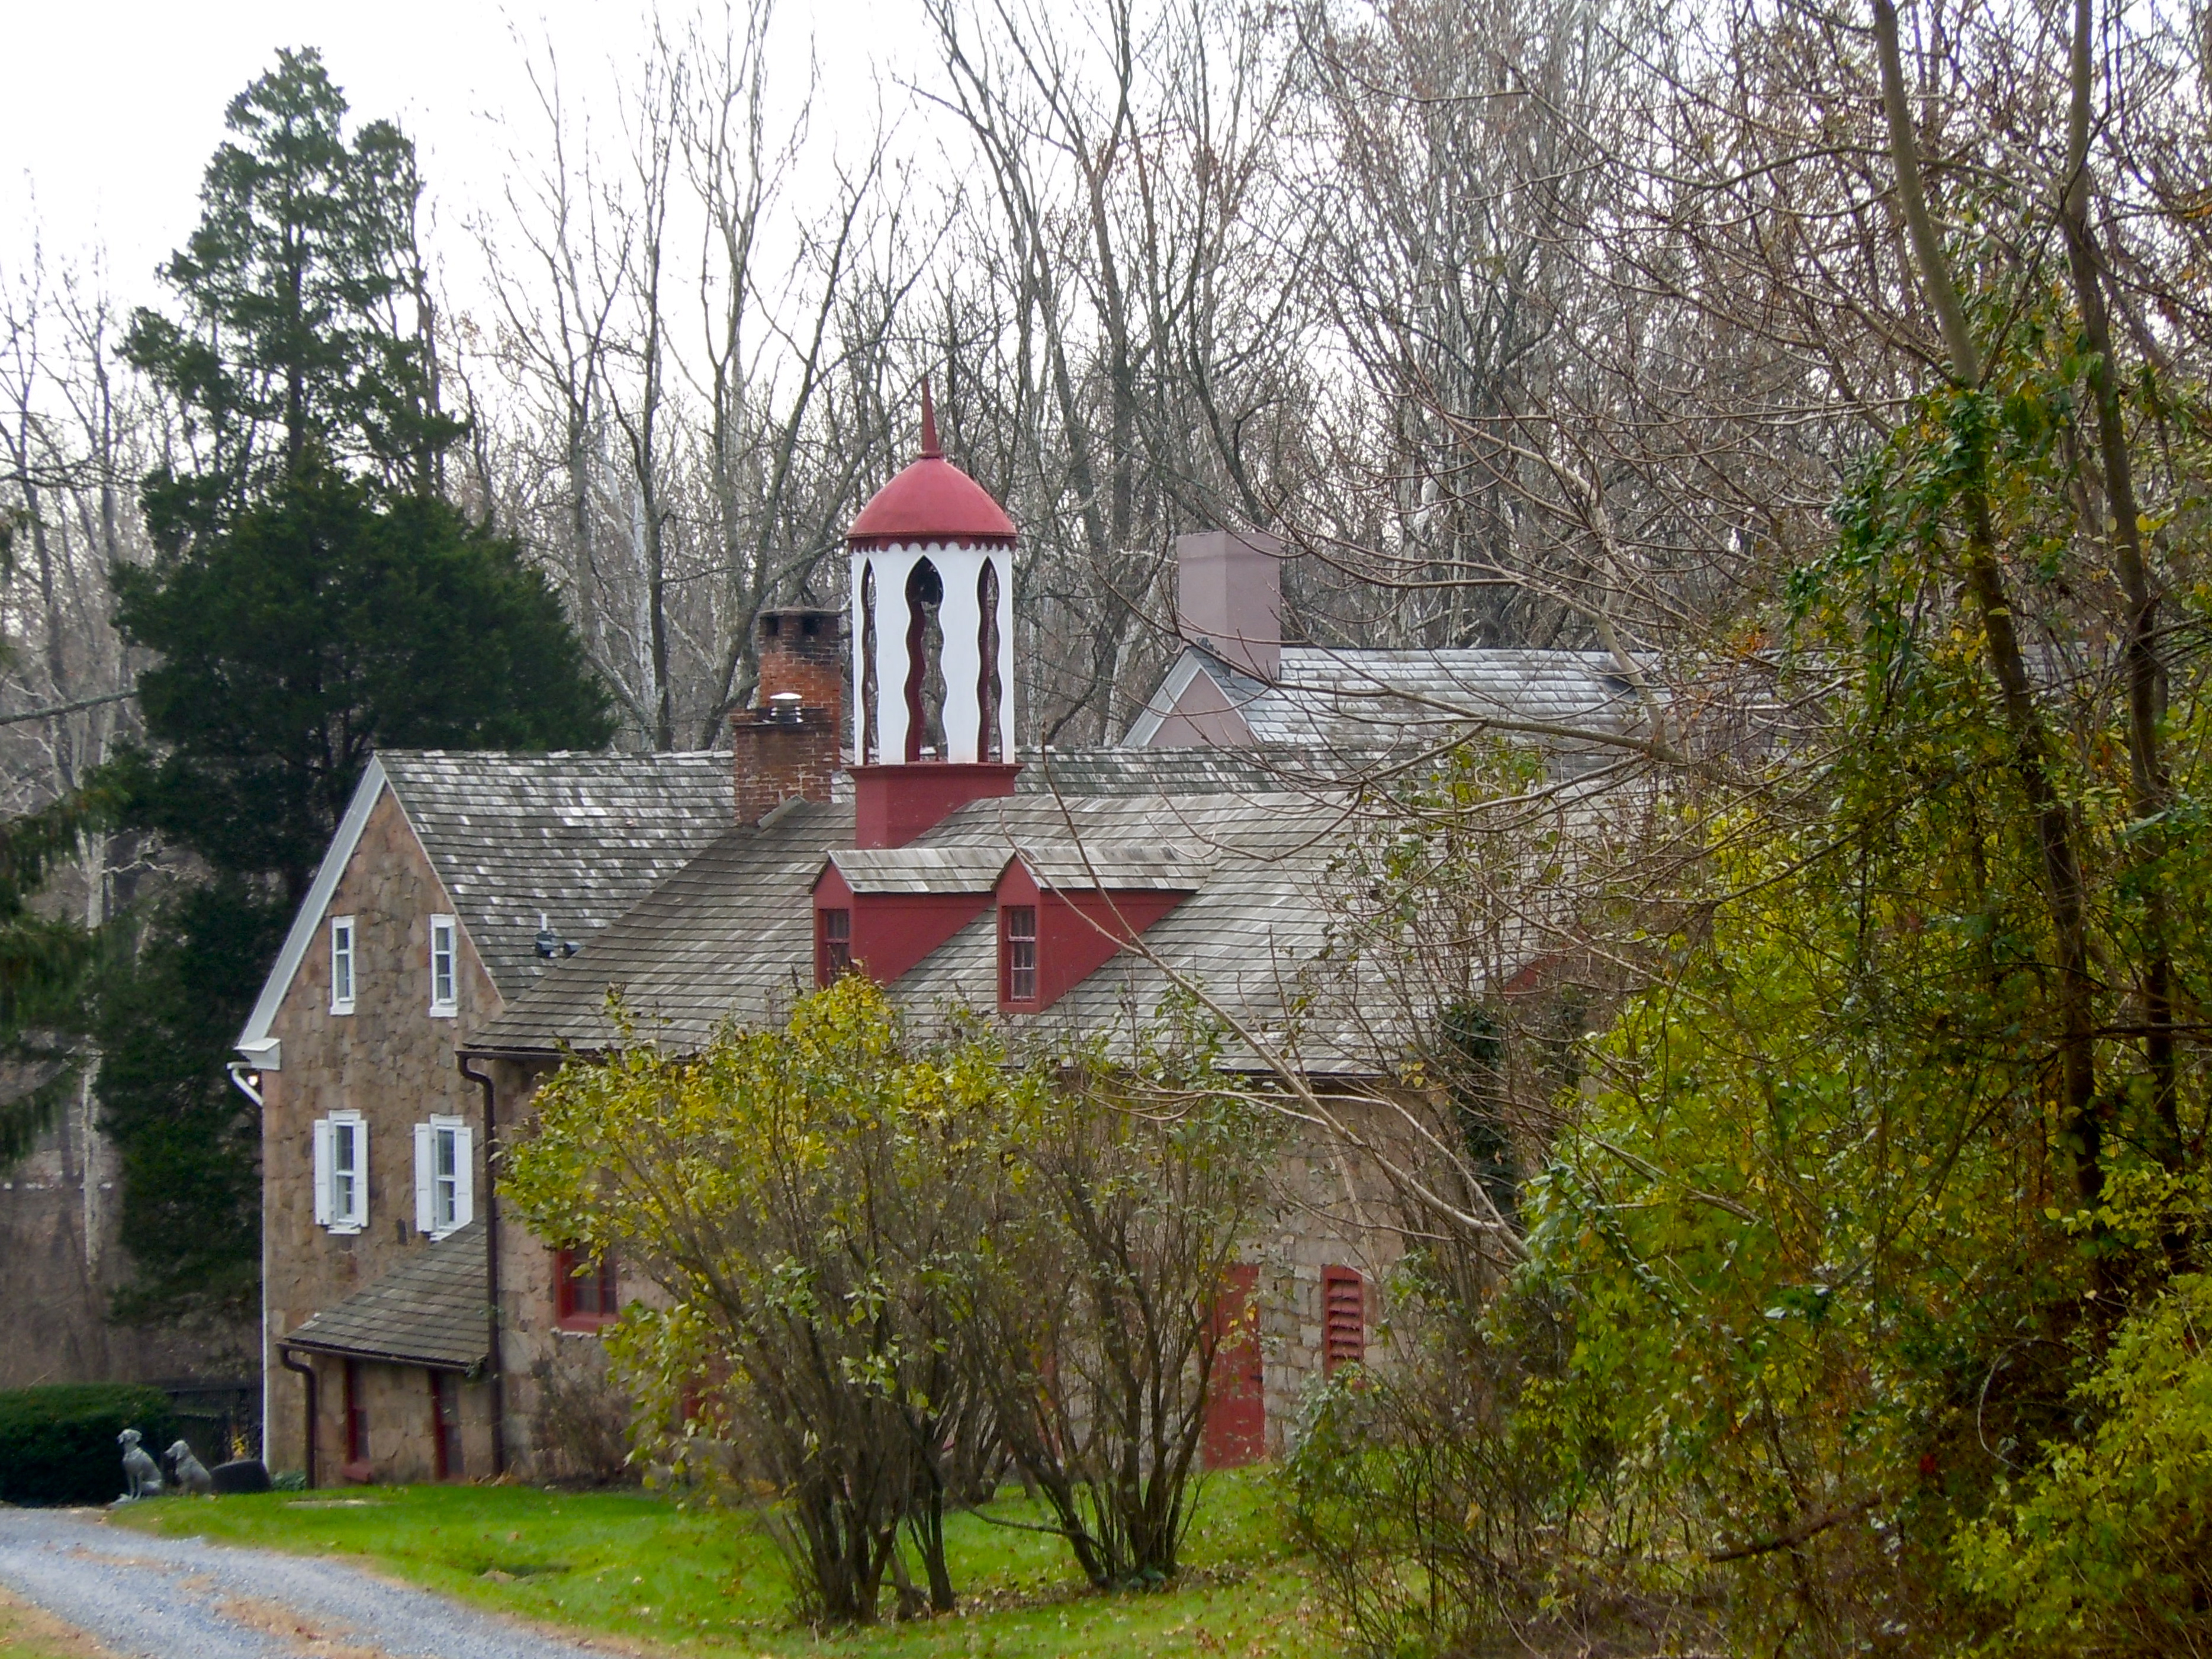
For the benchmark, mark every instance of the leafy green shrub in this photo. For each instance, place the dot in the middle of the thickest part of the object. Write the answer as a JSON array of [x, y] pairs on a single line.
[[2107, 1548], [58, 1443], [1454, 1505]]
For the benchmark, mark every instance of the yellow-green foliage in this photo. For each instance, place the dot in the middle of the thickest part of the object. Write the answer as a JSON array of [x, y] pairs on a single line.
[[2107, 1548], [884, 1258], [802, 1194]]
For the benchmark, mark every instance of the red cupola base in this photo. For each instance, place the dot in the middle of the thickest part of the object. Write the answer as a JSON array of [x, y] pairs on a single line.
[[892, 805]]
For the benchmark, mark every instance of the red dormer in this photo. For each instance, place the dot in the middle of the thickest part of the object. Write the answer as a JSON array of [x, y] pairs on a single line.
[[1066, 913], [881, 911]]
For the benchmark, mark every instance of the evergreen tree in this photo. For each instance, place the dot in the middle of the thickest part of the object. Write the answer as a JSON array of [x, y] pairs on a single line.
[[307, 319], [312, 597], [320, 625]]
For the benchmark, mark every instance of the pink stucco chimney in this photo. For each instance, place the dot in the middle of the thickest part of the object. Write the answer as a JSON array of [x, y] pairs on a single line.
[[1229, 597]]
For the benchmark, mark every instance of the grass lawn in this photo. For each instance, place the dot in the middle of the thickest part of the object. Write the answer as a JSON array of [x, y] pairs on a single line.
[[635, 1565], [27, 1633]]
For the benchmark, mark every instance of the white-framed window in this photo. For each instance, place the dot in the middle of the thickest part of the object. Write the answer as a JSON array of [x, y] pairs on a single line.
[[341, 964], [342, 1172], [445, 1177], [445, 967]]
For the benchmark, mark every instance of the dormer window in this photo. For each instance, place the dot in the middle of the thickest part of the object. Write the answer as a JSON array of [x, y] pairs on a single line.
[[1018, 951], [833, 944]]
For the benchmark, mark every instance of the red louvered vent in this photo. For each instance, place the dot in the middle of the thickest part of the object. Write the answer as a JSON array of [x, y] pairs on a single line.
[[1344, 1317]]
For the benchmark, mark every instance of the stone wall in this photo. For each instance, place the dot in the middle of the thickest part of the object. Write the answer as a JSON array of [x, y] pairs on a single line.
[[565, 1419], [1333, 1211], [60, 1218], [392, 1062], [399, 1412]]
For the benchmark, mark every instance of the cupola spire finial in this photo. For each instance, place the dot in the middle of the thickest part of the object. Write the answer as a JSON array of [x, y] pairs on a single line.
[[930, 449]]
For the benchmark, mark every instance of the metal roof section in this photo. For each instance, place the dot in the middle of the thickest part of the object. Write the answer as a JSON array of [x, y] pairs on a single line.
[[913, 869], [1126, 866], [930, 501], [1362, 701], [432, 1309]]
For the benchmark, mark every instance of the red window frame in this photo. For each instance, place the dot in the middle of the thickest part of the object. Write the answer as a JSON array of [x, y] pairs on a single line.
[[1018, 950], [833, 943], [446, 1423], [1344, 1318], [356, 1415], [586, 1294]]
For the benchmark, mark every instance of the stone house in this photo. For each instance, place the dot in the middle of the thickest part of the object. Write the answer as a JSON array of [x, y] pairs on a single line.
[[871, 815], [453, 883]]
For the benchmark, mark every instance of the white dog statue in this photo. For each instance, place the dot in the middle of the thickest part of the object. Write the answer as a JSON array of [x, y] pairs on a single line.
[[191, 1474], [143, 1473]]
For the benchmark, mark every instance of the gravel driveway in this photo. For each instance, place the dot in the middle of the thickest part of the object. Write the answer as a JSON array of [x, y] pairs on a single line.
[[182, 1598]]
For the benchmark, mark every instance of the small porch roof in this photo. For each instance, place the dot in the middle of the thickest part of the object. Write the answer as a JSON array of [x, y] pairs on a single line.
[[434, 1311]]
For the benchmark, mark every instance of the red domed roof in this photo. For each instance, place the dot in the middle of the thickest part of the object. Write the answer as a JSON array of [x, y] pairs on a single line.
[[932, 501]]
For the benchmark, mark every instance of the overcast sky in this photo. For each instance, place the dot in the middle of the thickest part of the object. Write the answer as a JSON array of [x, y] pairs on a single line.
[[113, 107]]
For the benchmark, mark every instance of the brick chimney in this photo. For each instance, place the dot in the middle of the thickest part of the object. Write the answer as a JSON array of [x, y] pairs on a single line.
[[1229, 597], [789, 744], [801, 650]]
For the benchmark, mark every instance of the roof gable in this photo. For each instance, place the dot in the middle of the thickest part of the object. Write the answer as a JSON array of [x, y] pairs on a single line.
[[255, 1042], [574, 838]]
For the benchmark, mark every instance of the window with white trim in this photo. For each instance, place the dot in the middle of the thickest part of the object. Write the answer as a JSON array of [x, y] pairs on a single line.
[[340, 1167], [342, 970], [445, 1177], [445, 967], [1019, 952]]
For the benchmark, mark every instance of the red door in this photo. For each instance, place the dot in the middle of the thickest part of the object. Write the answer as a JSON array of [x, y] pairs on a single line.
[[1237, 1408]]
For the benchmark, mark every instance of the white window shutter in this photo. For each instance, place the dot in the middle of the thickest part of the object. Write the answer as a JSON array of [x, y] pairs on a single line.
[[322, 1172], [465, 1177], [360, 1217], [425, 1178]]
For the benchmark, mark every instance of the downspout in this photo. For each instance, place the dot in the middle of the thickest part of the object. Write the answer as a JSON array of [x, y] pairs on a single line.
[[284, 1358], [495, 1373], [239, 1070]]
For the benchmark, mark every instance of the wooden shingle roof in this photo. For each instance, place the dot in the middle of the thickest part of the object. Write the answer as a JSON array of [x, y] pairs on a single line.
[[578, 838], [1343, 701], [432, 1309], [731, 935]]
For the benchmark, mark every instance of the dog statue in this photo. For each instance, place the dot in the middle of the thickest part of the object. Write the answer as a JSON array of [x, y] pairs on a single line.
[[143, 1472], [191, 1474]]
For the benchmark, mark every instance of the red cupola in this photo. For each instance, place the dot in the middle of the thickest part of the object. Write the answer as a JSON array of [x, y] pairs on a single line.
[[932, 635], [930, 501]]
